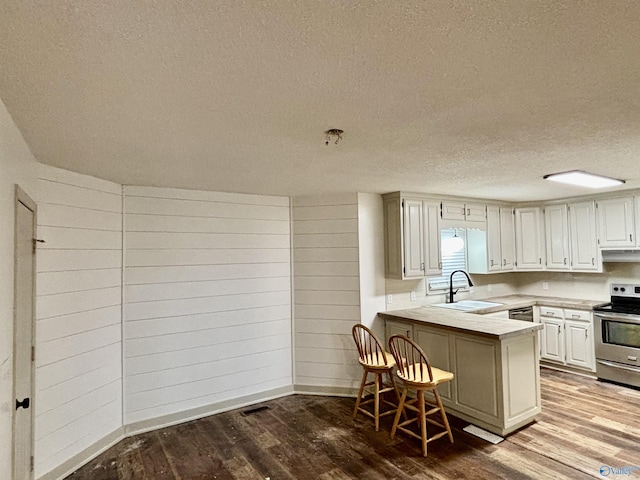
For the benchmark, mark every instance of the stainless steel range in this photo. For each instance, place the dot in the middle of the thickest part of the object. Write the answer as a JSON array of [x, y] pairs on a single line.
[[617, 336]]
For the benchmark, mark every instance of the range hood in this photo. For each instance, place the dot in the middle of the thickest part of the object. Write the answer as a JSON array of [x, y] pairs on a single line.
[[621, 256]]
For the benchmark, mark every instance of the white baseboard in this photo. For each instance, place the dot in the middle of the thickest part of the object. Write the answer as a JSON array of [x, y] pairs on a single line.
[[325, 390]]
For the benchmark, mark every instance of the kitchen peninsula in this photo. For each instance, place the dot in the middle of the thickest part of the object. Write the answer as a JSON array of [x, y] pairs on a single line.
[[496, 382]]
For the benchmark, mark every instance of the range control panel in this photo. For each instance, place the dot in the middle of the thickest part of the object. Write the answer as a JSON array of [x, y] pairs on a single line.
[[625, 290]]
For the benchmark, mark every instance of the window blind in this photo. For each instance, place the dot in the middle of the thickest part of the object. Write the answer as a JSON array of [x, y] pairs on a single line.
[[454, 257]]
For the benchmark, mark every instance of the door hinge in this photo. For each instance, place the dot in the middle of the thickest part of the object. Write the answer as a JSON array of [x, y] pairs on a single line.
[[31, 461], [403, 203], [404, 270], [33, 353]]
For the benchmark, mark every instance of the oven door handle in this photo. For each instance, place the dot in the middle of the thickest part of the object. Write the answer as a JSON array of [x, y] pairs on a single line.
[[618, 317], [618, 365]]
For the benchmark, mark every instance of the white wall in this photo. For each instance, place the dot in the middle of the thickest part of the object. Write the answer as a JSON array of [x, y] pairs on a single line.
[[78, 311], [371, 261], [590, 286], [326, 291], [207, 299], [17, 166], [485, 286]]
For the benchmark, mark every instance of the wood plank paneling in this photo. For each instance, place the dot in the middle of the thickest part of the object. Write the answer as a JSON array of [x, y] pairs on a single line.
[[207, 298], [78, 311], [326, 289]]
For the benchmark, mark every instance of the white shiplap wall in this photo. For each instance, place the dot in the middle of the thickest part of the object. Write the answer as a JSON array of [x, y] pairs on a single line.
[[78, 315], [207, 299], [326, 292]]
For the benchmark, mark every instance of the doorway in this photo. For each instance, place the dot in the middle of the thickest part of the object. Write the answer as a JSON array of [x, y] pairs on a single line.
[[23, 335]]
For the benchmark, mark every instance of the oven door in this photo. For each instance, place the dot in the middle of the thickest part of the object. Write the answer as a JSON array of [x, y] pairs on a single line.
[[618, 347]]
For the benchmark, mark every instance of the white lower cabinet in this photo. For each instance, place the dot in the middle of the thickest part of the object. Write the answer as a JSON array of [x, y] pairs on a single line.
[[579, 343], [567, 337], [552, 344]]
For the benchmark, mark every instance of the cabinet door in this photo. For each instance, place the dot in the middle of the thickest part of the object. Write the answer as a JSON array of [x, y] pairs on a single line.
[[435, 344], [616, 222], [393, 255], [556, 222], [584, 237], [493, 260], [453, 210], [433, 264], [475, 212], [579, 343], [507, 238], [393, 327], [413, 239], [552, 339], [529, 238]]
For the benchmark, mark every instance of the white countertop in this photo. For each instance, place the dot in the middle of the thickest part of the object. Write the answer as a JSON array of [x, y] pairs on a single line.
[[464, 322]]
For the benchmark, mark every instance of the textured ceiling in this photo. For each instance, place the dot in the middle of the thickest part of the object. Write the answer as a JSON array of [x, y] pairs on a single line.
[[474, 98]]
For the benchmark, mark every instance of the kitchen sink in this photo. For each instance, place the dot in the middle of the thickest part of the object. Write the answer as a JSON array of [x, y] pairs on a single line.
[[467, 305]]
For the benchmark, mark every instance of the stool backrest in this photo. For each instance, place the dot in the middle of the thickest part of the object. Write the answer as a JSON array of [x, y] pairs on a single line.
[[369, 347], [410, 359]]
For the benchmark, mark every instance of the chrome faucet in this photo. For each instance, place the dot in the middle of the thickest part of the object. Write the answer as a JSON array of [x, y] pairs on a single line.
[[451, 292]]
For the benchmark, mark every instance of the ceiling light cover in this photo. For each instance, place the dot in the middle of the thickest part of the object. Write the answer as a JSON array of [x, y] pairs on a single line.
[[583, 179]]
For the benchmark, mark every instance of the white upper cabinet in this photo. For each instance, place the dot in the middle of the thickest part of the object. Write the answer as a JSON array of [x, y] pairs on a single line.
[[492, 250], [616, 222], [431, 211], [529, 238], [471, 212], [508, 238], [556, 221], [494, 247], [585, 255], [412, 237]]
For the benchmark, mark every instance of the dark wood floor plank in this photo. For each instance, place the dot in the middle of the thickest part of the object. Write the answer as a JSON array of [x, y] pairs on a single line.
[[584, 425], [183, 455], [155, 463]]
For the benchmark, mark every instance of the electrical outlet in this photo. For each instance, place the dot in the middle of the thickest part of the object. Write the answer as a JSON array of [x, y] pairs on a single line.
[[545, 285], [489, 288], [389, 298], [412, 295]]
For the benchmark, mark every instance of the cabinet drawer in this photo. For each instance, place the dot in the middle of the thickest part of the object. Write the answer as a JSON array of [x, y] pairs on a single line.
[[551, 312], [578, 315]]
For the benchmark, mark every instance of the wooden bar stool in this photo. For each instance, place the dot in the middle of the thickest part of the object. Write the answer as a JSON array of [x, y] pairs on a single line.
[[376, 361], [417, 374]]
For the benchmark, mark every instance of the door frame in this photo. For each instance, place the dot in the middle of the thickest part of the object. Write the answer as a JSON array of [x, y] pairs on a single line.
[[21, 197]]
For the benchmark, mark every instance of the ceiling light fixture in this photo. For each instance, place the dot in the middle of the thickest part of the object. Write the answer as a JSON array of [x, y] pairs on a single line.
[[333, 133], [583, 179]]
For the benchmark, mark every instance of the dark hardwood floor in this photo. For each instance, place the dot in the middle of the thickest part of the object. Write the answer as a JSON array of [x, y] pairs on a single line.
[[584, 425]]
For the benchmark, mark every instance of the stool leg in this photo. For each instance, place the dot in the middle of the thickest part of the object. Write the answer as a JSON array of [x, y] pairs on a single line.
[[445, 421], [399, 412], [364, 380], [423, 422], [376, 400]]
